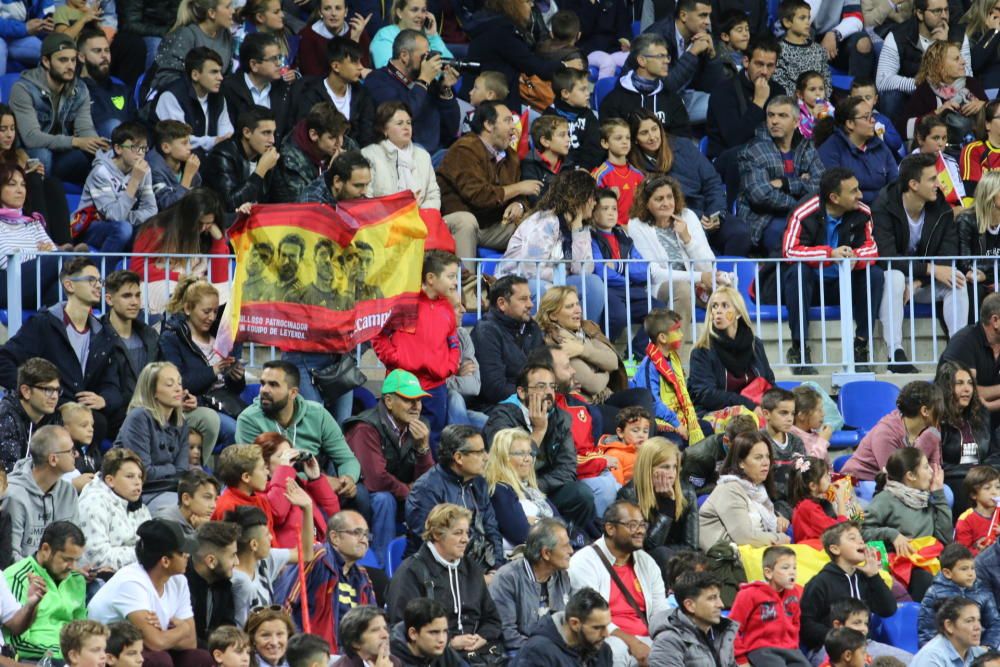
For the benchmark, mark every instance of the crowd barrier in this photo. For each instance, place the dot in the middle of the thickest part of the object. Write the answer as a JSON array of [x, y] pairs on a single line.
[[832, 325]]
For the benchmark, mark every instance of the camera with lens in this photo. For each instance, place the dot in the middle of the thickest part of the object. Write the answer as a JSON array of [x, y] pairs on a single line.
[[452, 62], [301, 460]]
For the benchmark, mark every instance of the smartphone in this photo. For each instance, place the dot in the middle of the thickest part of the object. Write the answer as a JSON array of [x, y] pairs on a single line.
[[32, 163], [427, 23], [716, 217]]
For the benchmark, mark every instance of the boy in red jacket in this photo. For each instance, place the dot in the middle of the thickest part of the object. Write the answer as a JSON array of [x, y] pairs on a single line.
[[242, 469], [430, 350], [769, 615]]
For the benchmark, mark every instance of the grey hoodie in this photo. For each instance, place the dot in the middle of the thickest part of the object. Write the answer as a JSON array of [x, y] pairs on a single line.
[[677, 642], [166, 184], [105, 190], [31, 510]]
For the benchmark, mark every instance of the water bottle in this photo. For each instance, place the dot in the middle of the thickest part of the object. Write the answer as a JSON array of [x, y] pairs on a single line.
[[46, 660]]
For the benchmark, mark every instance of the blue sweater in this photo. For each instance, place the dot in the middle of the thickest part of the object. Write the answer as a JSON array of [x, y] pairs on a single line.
[[875, 167]]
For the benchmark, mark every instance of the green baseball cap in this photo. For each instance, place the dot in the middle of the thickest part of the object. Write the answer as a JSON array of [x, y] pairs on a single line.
[[403, 383]]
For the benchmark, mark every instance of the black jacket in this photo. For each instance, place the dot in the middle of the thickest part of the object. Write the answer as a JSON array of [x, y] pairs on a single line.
[[239, 99], [687, 70], [128, 375], [666, 104], [311, 90], [971, 244], [399, 648], [197, 375], [938, 238], [951, 447], [707, 379], [832, 585], [534, 167], [44, 335], [502, 346], [228, 171], [602, 23], [546, 647], [148, 19], [16, 429], [585, 148], [105, 97], [555, 464], [223, 611], [421, 576], [733, 118], [665, 530], [701, 464]]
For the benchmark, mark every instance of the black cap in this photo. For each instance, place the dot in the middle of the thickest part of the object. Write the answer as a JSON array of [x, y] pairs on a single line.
[[162, 537]]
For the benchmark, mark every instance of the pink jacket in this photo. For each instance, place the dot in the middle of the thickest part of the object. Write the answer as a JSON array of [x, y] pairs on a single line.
[[888, 435], [288, 518]]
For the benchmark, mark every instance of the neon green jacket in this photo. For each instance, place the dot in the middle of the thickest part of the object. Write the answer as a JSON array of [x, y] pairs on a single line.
[[64, 602]]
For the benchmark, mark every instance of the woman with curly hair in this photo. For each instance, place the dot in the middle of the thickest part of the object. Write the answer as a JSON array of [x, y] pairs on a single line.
[[944, 89]]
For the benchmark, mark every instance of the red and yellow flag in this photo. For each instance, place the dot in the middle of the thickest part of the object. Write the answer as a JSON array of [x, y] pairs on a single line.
[[312, 278]]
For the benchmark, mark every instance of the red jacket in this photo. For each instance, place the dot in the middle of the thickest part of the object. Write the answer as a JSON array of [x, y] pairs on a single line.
[[767, 618], [232, 498], [430, 351], [589, 461], [809, 520], [288, 517], [148, 241], [806, 235]]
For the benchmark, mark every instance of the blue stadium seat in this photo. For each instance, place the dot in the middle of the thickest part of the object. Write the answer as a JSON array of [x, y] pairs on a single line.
[[601, 90], [365, 397], [702, 499], [370, 560], [396, 549], [841, 80], [6, 83], [898, 629], [840, 462], [703, 146], [865, 491], [137, 98], [636, 28], [593, 73], [746, 272], [787, 384], [864, 402], [949, 495], [489, 267], [845, 439], [250, 393]]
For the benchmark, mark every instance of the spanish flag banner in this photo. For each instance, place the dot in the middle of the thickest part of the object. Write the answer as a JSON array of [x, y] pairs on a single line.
[[945, 182], [312, 278]]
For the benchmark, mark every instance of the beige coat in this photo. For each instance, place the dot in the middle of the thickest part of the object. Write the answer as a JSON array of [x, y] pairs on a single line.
[[877, 12], [593, 359], [726, 515]]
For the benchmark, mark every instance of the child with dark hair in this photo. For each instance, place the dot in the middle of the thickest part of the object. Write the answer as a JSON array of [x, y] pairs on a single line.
[[981, 488], [550, 146], [703, 461], [564, 28], [571, 88], [778, 406], [631, 431], [814, 103], [799, 53], [124, 647], [616, 172], [733, 33], [812, 512], [846, 648], [958, 579]]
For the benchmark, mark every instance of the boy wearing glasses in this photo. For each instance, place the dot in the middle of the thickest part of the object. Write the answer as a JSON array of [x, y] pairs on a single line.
[[118, 193], [27, 409]]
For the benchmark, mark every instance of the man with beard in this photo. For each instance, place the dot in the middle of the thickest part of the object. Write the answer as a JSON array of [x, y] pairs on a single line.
[[51, 572], [421, 638], [364, 256], [627, 577], [571, 638], [257, 286], [307, 425], [52, 109], [321, 292], [291, 250], [209, 574], [347, 178], [111, 102]]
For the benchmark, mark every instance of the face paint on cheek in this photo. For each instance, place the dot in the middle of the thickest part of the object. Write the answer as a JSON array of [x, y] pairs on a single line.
[[675, 337]]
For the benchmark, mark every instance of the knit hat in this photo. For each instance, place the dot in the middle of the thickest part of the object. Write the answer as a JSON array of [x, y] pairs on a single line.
[[55, 42]]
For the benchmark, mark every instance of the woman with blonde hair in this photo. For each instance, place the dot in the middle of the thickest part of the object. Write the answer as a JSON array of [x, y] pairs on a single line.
[[155, 430], [728, 357], [199, 23], [979, 236], [407, 15], [668, 506], [944, 88], [982, 27], [510, 477]]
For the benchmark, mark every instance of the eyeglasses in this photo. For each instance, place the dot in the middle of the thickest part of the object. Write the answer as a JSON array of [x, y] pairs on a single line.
[[72, 450], [542, 386], [93, 280], [273, 59], [869, 117], [632, 526], [141, 150], [471, 452], [523, 455], [47, 391], [937, 12], [357, 533], [656, 56]]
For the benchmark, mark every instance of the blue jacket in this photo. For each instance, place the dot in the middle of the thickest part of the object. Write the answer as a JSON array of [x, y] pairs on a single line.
[[988, 571], [700, 182], [648, 377], [707, 378], [943, 589], [440, 485], [435, 121], [875, 167], [614, 276]]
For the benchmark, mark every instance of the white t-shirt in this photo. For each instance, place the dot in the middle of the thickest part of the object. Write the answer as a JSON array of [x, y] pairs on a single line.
[[343, 104], [131, 590], [8, 604], [916, 229]]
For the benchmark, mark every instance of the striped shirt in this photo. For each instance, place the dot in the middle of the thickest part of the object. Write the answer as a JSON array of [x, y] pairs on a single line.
[[23, 235]]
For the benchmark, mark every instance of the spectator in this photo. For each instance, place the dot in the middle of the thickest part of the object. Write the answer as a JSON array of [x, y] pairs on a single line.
[[20, 26], [809, 494], [985, 57], [970, 345], [315, 38], [537, 585], [905, 44], [465, 385], [741, 508], [959, 633], [364, 637], [313, 143], [340, 85], [810, 90], [68, 335], [621, 546], [421, 638], [209, 574], [556, 231], [165, 619], [229, 644], [241, 168], [94, 53], [260, 83], [258, 565], [443, 570], [668, 506], [173, 164], [111, 511], [30, 407], [695, 631], [571, 88], [392, 444], [958, 579], [756, 85], [646, 87], [348, 177], [48, 575], [190, 226], [62, 137], [79, 421], [975, 229], [675, 245], [73, 17], [916, 196], [195, 98], [407, 15], [155, 430], [83, 642], [982, 156], [424, 82], [487, 87], [855, 146], [979, 490], [617, 172], [833, 224], [605, 34], [241, 468], [197, 493], [884, 127], [187, 341], [124, 646], [118, 193], [200, 24], [770, 188], [308, 650], [269, 630], [985, 562], [334, 569], [799, 52], [141, 29], [942, 70], [480, 176], [504, 337]]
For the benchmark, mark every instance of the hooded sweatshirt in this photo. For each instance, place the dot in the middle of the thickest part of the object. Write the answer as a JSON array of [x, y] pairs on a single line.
[[831, 585], [109, 522], [547, 647], [666, 104], [399, 647], [767, 618], [888, 435], [429, 349], [165, 182], [585, 149], [16, 429], [105, 191], [31, 510]]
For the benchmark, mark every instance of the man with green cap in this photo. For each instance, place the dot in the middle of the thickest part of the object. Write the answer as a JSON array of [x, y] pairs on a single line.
[[392, 444], [52, 110]]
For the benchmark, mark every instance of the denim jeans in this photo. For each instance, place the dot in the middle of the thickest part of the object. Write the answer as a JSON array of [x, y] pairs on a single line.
[[435, 409], [25, 50], [605, 488], [108, 235], [307, 361], [459, 413], [383, 526], [70, 166]]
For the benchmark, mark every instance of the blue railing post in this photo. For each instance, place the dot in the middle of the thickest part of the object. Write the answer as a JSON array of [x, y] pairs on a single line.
[[14, 315], [846, 321]]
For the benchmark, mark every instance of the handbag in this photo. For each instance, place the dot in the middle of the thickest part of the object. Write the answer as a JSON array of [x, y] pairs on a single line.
[[621, 586], [337, 378]]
